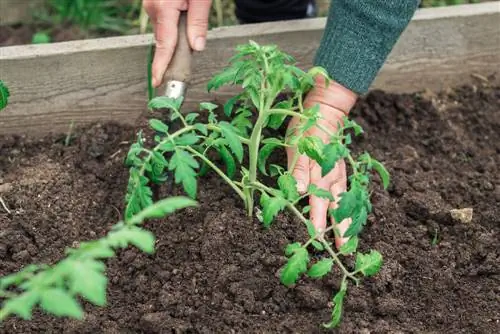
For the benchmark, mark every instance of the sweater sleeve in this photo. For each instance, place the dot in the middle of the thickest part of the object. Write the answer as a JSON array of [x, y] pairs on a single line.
[[358, 37]]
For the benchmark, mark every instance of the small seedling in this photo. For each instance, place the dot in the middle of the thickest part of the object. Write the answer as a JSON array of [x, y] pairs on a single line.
[[244, 145], [56, 289], [41, 38]]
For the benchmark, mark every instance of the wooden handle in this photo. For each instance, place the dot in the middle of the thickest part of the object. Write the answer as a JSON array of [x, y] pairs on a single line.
[[179, 68]]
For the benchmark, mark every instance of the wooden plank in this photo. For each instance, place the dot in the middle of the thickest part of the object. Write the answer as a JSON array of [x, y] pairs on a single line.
[[15, 11], [105, 79]]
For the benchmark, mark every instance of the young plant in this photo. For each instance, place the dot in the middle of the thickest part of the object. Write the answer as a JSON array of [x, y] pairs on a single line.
[[264, 73], [57, 288]]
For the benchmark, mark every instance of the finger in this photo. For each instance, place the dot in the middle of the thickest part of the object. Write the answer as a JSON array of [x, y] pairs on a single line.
[[319, 205], [338, 187], [166, 39], [197, 23], [301, 169]]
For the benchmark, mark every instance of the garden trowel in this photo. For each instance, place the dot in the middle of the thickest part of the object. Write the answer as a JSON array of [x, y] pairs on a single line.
[[178, 73]]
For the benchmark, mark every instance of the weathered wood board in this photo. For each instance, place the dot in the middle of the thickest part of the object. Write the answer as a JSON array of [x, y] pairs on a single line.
[[105, 79]]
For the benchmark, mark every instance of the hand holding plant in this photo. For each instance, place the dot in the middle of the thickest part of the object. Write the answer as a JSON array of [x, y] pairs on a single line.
[[334, 103]]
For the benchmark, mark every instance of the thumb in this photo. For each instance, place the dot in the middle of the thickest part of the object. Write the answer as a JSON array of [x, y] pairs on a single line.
[[197, 23], [166, 40]]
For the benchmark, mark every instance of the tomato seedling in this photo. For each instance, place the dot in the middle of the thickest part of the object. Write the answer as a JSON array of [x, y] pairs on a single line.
[[263, 73]]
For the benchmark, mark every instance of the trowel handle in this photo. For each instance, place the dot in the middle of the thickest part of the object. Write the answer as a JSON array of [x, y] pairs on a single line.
[[179, 68]]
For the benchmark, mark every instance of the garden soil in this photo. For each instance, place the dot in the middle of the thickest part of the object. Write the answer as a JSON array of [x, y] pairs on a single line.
[[215, 271]]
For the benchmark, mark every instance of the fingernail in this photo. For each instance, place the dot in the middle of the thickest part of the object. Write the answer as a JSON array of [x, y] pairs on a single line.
[[199, 43], [301, 187]]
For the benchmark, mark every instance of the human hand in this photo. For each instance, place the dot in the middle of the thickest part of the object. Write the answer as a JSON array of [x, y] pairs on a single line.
[[335, 101], [164, 15]]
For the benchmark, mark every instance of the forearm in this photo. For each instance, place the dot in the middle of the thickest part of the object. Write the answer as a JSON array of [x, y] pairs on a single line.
[[358, 37]]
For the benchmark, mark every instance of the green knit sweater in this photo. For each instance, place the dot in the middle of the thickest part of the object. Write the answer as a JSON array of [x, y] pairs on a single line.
[[358, 37]]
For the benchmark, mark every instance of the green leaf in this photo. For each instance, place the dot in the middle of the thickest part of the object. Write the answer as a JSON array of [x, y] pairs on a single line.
[[187, 139], [140, 238], [96, 249], [332, 153], [319, 192], [311, 230], [350, 246], [338, 302], [271, 206], [22, 304], [369, 264], [158, 125], [184, 164], [291, 248], [228, 160], [60, 303], [320, 268], [191, 117], [317, 245], [229, 132], [164, 102], [139, 195], [88, 281], [208, 106], [40, 38], [202, 128], [358, 221], [312, 146], [306, 209], [296, 265], [4, 95], [288, 185], [264, 154], [382, 171], [229, 105], [162, 208]]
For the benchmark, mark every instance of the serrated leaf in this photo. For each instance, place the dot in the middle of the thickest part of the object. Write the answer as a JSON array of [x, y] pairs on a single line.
[[311, 230], [312, 146], [208, 106], [162, 208], [359, 219], [317, 245], [382, 171], [271, 206], [89, 282], [291, 248], [184, 164], [275, 121], [202, 128], [313, 189], [59, 303], [22, 305], [296, 265], [187, 139], [369, 264], [320, 268], [158, 125], [140, 238], [230, 133], [264, 154], [96, 249], [338, 302], [332, 153], [228, 161], [288, 186], [164, 102], [191, 117], [229, 105], [350, 246], [139, 195]]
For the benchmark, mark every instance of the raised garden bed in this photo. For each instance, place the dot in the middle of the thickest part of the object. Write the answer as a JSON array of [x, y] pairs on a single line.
[[215, 271]]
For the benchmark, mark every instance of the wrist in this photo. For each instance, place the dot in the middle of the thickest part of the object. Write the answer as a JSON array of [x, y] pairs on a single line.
[[333, 95]]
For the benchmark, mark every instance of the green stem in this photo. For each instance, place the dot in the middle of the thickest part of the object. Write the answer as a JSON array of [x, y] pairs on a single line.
[[337, 260], [217, 170], [288, 113]]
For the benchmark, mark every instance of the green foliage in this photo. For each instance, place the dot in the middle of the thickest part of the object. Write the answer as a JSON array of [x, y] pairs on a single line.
[[57, 288], [40, 38], [4, 95], [239, 145], [91, 15]]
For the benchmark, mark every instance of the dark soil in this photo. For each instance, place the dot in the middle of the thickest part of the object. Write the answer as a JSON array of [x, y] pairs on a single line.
[[215, 271]]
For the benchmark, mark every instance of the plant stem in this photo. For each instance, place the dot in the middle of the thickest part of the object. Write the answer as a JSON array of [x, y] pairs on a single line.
[[217, 170], [288, 113], [336, 259]]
